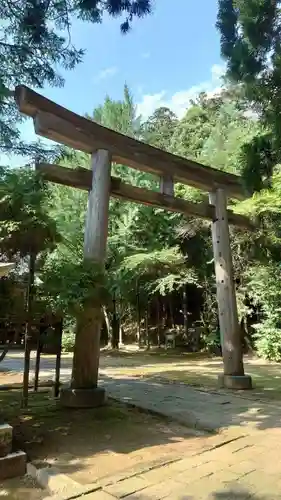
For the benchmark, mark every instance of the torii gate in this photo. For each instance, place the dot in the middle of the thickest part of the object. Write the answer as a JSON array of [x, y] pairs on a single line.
[[106, 146]]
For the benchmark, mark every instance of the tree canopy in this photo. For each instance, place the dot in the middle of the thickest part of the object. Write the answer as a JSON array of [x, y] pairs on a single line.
[[35, 40], [251, 45]]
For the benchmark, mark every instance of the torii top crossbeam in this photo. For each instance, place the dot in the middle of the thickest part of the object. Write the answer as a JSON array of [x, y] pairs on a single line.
[[59, 124]]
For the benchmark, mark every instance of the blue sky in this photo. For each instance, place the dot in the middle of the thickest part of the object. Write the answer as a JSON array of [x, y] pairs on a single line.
[[166, 59]]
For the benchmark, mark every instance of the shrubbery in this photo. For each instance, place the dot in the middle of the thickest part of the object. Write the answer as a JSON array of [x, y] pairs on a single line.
[[68, 340]]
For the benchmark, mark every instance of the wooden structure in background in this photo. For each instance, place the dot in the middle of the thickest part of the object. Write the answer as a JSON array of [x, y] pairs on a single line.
[[49, 341], [59, 124], [33, 330], [5, 268]]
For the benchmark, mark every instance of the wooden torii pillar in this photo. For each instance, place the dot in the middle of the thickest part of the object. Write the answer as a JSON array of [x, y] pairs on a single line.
[[233, 376], [84, 391]]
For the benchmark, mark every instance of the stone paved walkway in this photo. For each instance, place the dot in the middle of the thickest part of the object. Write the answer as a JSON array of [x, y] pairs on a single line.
[[245, 464], [205, 410], [246, 468]]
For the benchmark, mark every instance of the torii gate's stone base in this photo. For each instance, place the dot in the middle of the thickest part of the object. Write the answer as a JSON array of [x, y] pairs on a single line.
[[237, 382], [82, 398]]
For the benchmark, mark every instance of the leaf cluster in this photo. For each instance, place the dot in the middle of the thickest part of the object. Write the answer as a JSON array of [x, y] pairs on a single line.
[[26, 226]]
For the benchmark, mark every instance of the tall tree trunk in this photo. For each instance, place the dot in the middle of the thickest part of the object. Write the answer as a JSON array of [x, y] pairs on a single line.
[[59, 332], [115, 327], [37, 364], [147, 327], [28, 327], [171, 312], [87, 342], [158, 322], [185, 312], [107, 322], [138, 316]]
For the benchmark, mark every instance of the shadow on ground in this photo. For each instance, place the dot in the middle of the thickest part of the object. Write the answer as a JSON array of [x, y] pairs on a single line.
[[237, 495], [93, 443], [209, 410], [220, 495]]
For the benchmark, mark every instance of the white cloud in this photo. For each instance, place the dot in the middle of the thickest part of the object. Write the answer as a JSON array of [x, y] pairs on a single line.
[[217, 71], [106, 73], [180, 101], [150, 102]]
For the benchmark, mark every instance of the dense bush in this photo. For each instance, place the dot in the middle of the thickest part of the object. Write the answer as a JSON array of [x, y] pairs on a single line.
[[68, 341], [268, 339], [264, 287]]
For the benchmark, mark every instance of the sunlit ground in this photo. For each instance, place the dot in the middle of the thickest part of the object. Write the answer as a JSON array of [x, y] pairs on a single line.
[[195, 370]]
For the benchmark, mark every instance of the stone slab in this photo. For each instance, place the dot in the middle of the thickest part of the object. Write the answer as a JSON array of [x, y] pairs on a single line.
[[98, 495], [165, 489], [82, 398], [127, 487], [59, 485], [236, 382], [6, 437], [208, 410], [13, 465]]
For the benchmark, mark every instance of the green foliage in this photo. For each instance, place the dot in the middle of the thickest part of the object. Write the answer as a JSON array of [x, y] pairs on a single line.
[[159, 128], [153, 262], [193, 130], [119, 115], [263, 283], [250, 43], [214, 129], [158, 271], [249, 31], [26, 226], [268, 339], [68, 341], [165, 285], [266, 201], [263, 207], [258, 159], [70, 284]]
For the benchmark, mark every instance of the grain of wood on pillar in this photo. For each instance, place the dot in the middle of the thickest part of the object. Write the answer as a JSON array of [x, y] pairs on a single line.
[[87, 344], [228, 316], [167, 185]]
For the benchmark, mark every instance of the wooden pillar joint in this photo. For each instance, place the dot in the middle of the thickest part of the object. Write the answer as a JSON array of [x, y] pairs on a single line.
[[167, 185]]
